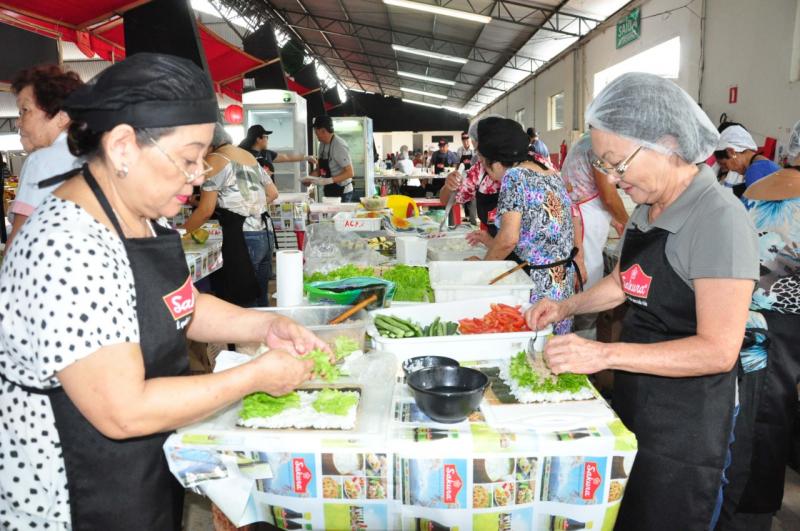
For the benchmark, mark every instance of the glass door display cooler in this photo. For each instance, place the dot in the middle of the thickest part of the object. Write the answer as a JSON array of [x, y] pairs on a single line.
[[284, 113], [357, 132]]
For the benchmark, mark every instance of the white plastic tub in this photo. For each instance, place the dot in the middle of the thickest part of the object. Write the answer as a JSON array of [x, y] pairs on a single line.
[[468, 347], [455, 281], [453, 248]]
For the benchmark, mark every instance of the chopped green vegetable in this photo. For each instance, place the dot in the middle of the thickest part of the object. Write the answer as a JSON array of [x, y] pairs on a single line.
[[264, 405], [334, 402], [323, 368], [413, 283], [348, 271], [525, 376], [343, 346]]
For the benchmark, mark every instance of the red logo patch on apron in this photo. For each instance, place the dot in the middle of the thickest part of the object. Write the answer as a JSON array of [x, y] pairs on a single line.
[[636, 282], [452, 484], [180, 302]]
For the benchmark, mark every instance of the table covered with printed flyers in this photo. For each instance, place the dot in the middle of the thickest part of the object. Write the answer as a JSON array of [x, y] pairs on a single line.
[[509, 466]]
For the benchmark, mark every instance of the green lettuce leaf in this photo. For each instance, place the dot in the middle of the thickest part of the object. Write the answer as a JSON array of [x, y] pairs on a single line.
[[525, 376], [264, 405], [334, 402]]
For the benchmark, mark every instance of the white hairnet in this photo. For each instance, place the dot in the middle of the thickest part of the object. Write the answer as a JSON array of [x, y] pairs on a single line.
[[473, 127], [794, 143], [579, 159], [737, 138], [655, 113]]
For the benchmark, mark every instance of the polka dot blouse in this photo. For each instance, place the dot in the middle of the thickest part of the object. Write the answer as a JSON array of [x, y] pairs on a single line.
[[66, 290]]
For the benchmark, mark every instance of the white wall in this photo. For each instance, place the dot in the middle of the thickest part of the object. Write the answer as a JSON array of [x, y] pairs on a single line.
[[747, 43]]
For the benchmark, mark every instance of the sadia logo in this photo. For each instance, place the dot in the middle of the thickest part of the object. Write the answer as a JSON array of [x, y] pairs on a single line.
[[301, 475], [180, 302], [591, 480], [452, 483], [636, 282]]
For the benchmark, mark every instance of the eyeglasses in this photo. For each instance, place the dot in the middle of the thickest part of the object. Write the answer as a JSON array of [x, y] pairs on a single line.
[[605, 168], [190, 177]]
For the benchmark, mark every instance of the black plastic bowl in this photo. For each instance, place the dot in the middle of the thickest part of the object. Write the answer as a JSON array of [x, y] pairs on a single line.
[[448, 394], [423, 362]]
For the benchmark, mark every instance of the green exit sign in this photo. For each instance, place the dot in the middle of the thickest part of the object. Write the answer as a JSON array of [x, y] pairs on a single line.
[[629, 28]]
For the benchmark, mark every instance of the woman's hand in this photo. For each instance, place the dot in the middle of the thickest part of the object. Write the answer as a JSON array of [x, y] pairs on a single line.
[[572, 353], [311, 159], [283, 333], [453, 181], [282, 371], [545, 312], [479, 237], [619, 227]]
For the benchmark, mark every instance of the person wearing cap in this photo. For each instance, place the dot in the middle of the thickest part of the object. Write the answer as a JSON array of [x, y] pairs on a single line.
[[238, 192], [596, 203], [476, 185], [335, 171], [439, 161], [533, 213], [770, 364], [687, 268], [42, 123], [93, 349], [465, 152], [257, 141], [737, 152]]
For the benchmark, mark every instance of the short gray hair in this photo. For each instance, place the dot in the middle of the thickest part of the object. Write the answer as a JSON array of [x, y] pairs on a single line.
[[221, 136]]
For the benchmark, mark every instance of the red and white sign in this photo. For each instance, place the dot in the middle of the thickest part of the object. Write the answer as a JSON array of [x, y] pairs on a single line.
[[591, 480], [452, 484], [301, 475], [636, 282], [733, 94], [180, 302]]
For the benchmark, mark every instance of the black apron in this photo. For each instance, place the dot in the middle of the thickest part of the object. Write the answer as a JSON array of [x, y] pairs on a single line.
[[682, 425], [236, 282], [466, 160], [333, 189], [774, 419], [439, 161], [487, 203], [127, 485]]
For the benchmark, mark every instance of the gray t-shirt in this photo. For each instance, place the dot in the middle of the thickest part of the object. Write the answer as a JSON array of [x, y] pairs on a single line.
[[711, 234], [338, 155]]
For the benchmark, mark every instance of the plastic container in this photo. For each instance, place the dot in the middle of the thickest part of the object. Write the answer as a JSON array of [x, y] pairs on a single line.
[[453, 248], [316, 319], [468, 347], [346, 221], [454, 281], [411, 250]]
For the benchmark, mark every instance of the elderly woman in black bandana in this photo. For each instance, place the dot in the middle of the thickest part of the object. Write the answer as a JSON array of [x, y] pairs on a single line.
[[534, 215], [97, 303]]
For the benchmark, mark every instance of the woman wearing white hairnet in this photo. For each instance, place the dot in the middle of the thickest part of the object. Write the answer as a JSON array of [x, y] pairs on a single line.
[[686, 273], [771, 364], [737, 152], [597, 203]]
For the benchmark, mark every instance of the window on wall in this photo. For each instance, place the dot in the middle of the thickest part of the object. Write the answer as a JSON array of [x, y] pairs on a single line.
[[662, 60], [519, 117], [555, 112]]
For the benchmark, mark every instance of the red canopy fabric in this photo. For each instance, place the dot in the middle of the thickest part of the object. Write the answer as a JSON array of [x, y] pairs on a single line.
[[75, 14]]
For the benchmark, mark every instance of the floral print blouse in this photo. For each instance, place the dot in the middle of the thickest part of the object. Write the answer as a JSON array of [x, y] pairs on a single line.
[[546, 232], [778, 288]]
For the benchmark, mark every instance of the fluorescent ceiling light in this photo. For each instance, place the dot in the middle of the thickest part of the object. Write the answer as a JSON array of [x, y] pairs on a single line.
[[425, 53], [416, 102], [428, 8], [423, 93], [426, 78], [456, 109]]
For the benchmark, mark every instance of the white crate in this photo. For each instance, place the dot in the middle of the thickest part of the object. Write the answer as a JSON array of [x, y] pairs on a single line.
[[453, 281], [347, 222], [453, 248], [468, 347]]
